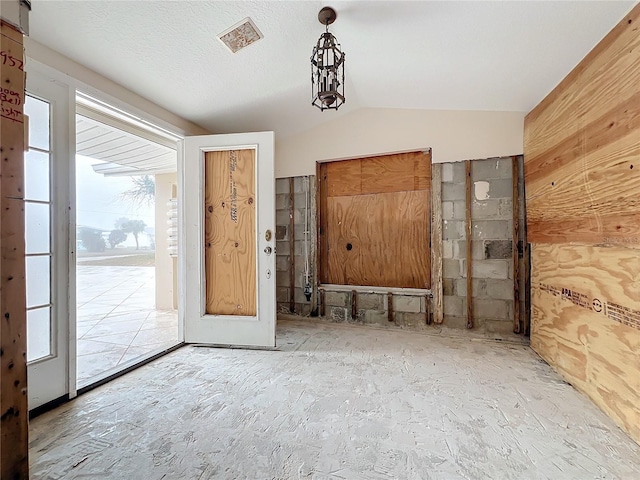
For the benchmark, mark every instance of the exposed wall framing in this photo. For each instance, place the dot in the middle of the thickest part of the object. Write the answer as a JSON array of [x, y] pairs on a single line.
[[582, 152], [14, 448], [436, 242], [469, 237]]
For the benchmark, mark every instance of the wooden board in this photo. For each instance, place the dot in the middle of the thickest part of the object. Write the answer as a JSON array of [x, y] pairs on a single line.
[[14, 447], [389, 238], [582, 148], [586, 323], [230, 232], [384, 174], [469, 243], [515, 236], [436, 243]]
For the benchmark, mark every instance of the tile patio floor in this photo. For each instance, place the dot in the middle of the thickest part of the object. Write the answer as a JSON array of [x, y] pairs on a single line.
[[117, 322]]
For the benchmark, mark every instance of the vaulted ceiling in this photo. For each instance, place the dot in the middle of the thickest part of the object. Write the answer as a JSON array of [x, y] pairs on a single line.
[[446, 55]]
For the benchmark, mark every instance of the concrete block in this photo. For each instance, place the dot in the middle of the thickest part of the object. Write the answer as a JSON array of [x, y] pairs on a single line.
[[477, 249], [337, 299], [459, 173], [298, 184], [282, 247], [453, 191], [455, 321], [376, 317], [490, 269], [282, 263], [461, 287], [282, 201], [485, 209], [450, 268], [505, 208], [299, 296], [282, 217], [299, 231], [460, 210], [283, 278], [491, 229], [493, 288], [447, 172], [282, 185], [499, 327], [501, 188], [447, 249], [338, 314], [498, 249], [448, 286], [405, 303], [370, 301], [447, 210], [453, 305], [493, 168], [452, 230], [491, 308], [282, 294], [411, 320], [299, 199], [282, 232]]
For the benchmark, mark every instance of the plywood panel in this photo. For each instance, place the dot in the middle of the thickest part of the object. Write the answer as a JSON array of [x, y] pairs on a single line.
[[344, 178], [586, 323], [582, 148], [396, 173], [388, 237], [230, 232], [14, 450]]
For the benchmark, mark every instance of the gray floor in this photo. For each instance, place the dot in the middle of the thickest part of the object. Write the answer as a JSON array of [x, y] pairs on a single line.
[[336, 402]]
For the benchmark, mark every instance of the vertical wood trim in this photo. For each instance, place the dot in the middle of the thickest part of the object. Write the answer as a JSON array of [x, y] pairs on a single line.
[[390, 306], [469, 245], [14, 447], [354, 304], [436, 242], [322, 304], [292, 248], [313, 241], [323, 253], [515, 174]]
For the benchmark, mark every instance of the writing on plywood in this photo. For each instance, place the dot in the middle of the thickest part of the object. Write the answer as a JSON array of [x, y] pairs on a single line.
[[230, 232]]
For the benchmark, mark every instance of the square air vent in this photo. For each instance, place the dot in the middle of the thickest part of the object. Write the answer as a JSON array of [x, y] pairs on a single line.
[[240, 35]]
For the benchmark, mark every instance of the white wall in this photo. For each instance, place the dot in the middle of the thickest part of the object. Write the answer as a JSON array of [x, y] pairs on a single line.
[[66, 70], [165, 271], [453, 136]]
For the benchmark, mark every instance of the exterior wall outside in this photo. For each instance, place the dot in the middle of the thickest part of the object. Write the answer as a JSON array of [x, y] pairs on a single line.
[[165, 265]]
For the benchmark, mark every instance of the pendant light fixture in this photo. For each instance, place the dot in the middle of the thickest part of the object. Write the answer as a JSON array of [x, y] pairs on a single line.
[[327, 67]]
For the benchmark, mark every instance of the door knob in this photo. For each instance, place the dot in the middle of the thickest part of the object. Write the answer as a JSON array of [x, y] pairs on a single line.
[[268, 250]]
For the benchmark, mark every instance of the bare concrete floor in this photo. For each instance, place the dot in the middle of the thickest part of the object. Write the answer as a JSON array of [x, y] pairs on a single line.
[[336, 402]]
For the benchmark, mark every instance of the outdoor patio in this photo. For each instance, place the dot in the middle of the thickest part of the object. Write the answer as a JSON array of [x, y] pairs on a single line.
[[117, 322]]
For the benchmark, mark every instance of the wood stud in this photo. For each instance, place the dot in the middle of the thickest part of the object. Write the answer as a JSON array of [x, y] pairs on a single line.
[[354, 304], [390, 306], [469, 245], [516, 239], [436, 242], [292, 248], [14, 414]]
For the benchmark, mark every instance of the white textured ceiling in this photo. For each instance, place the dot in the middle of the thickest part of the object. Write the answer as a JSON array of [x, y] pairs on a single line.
[[453, 55]]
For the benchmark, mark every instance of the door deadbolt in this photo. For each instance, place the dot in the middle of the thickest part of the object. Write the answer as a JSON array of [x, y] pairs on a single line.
[[267, 235]]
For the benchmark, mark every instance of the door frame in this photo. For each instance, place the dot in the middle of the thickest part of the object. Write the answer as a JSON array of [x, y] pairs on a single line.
[[191, 258]]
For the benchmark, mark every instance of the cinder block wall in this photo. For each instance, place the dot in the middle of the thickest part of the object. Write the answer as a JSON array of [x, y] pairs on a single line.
[[492, 265], [491, 261]]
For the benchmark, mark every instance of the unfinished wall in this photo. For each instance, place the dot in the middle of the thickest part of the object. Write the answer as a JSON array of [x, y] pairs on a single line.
[[582, 161], [492, 261]]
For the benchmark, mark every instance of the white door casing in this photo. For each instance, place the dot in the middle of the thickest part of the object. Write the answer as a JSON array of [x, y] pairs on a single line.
[[232, 330]]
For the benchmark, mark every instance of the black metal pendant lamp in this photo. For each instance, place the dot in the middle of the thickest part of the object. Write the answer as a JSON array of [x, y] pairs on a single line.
[[327, 67]]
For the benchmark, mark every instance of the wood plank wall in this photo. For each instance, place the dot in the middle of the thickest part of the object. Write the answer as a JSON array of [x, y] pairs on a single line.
[[375, 221], [230, 232], [582, 175], [13, 330]]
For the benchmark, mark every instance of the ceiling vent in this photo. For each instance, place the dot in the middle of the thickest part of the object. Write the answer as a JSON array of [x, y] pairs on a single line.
[[241, 35]]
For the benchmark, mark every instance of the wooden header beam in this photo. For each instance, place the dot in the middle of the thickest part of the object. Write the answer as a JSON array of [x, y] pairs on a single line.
[[14, 414]]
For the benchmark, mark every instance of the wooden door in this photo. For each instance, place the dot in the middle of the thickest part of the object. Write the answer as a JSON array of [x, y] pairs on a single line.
[[228, 254]]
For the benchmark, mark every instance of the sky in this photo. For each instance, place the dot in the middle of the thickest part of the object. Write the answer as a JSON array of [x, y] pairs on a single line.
[[99, 203]]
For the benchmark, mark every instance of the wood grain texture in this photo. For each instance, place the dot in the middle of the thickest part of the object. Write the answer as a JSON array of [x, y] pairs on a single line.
[[389, 238], [469, 242], [582, 148], [436, 243], [230, 233], [586, 323], [292, 247], [361, 202], [14, 447], [383, 174], [515, 199]]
